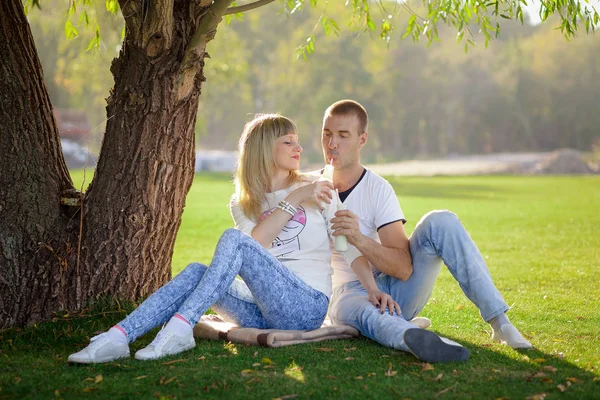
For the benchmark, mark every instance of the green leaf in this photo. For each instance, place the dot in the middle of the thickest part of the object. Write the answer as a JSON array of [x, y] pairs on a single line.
[[112, 6], [370, 23], [70, 31]]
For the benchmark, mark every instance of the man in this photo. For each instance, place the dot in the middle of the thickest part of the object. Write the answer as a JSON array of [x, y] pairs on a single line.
[[404, 269]]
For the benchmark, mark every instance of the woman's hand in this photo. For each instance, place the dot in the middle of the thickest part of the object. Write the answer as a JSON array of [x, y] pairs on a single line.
[[318, 192], [383, 301]]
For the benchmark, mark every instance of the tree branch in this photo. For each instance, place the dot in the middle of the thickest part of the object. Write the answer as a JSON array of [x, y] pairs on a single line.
[[193, 59], [247, 7]]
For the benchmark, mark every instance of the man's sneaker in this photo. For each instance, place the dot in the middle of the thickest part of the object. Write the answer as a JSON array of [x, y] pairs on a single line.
[[100, 350], [166, 343], [430, 347], [421, 322]]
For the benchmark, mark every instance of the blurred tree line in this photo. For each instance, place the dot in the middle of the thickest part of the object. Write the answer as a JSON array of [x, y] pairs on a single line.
[[530, 90]]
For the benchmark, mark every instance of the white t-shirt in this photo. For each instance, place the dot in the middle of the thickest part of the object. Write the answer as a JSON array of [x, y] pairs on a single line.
[[303, 245], [374, 201]]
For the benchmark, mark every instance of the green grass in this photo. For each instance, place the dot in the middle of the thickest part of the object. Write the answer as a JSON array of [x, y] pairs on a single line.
[[539, 235]]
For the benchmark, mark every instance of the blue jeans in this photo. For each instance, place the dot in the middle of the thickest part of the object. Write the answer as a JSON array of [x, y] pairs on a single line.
[[438, 237], [270, 296]]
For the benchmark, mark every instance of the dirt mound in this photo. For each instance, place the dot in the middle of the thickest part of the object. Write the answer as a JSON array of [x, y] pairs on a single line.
[[563, 161]]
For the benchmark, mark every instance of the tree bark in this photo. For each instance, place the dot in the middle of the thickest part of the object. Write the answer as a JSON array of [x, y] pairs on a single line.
[[34, 241], [118, 238], [134, 205]]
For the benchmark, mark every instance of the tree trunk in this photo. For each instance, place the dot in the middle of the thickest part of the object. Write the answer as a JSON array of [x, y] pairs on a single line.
[[134, 205], [56, 257], [34, 244]]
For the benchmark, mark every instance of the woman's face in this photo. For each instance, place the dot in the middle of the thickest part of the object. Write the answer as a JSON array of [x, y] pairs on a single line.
[[287, 152]]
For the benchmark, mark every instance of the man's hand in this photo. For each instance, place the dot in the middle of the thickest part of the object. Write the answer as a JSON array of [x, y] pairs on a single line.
[[346, 223], [383, 301]]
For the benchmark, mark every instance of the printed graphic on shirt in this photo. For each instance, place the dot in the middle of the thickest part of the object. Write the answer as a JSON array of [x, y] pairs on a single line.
[[288, 241]]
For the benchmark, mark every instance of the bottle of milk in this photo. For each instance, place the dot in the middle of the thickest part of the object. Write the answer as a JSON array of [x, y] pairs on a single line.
[[340, 243]]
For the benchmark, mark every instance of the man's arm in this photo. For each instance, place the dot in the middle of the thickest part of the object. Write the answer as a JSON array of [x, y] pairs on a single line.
[[392, 256], [363, 272]]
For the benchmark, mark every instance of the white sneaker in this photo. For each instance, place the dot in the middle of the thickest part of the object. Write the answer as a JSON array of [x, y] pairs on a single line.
[[421, 322], [166, 343], [100, 350]]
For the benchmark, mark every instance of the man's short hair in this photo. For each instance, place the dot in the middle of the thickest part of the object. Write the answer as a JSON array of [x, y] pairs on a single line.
[[345, 107]]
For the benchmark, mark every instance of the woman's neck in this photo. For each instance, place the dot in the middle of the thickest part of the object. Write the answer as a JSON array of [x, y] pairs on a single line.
[[280, 181]]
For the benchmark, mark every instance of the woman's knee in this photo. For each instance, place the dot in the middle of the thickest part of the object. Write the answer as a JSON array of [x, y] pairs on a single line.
[[193, 269]]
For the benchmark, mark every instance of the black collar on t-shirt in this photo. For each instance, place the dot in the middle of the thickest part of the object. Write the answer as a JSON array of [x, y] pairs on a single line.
[[346, 193]]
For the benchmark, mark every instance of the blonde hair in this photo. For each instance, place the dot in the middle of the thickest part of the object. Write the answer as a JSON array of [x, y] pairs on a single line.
[[257, 159]]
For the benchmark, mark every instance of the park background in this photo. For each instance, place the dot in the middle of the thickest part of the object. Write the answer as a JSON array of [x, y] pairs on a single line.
[[530, 91]]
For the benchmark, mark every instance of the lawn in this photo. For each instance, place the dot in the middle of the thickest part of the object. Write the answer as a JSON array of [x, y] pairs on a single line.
[[539, 235]]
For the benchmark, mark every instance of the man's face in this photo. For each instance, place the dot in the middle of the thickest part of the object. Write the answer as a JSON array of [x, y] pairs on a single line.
[[342, 140]]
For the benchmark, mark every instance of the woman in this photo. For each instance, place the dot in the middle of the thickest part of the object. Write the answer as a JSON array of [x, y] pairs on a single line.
[[285, 287]]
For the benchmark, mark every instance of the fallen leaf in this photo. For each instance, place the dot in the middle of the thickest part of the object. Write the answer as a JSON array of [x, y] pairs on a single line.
[[256, 379], [173, 362], [547, 380], [439, 377], [539, 396], [266, 361], [596, 378], [539, 360], [427, 367], [57, 393], [370, 374], [350, 348], [538, 375], [549, 368], [255, 354], [574, 380], [455, 372], [460, 307], [579, 317], [385, 356], [349, 358], [446, 390], [525, 358], [256, 364], [569, 383], [88, 389], [325, 349], [359, 377], [140, 377], [201, 358], [389, 372], [98, 379], [268, 366], [246, 372], [496, 370], [18, 380], [562, 388], [165, 383]]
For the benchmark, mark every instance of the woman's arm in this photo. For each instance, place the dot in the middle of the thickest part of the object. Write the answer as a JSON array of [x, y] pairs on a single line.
[[265, 231]]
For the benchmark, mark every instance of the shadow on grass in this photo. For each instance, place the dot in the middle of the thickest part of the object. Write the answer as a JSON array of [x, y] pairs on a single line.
[[34, 365]]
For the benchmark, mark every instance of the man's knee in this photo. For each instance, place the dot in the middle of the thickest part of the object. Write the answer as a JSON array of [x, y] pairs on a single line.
[[437, 219]]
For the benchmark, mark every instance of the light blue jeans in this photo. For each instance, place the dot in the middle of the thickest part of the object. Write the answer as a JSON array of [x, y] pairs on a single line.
[[438, 238], [270, 295]]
